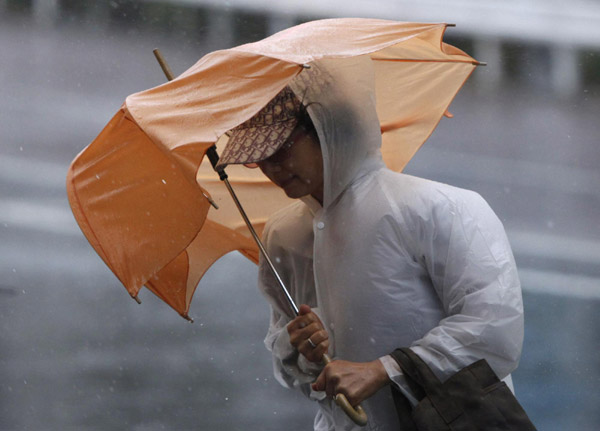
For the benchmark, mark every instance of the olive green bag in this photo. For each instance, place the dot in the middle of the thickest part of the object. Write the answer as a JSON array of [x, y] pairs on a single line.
[[473, 399]]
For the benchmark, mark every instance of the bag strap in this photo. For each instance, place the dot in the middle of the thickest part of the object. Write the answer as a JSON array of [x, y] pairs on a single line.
[[413, 366], [403, 410]]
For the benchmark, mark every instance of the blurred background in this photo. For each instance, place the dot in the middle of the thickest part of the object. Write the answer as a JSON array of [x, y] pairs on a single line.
[[76, 353]]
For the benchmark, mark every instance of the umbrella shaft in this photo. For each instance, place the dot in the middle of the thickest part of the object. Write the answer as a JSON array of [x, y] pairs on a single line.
[[261, 247]]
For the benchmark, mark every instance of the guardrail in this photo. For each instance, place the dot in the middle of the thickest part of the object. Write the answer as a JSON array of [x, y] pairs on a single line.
[[553, 21], [562, 30]]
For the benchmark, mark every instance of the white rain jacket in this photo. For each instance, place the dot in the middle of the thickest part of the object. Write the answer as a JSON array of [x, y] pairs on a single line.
[[388, 261]]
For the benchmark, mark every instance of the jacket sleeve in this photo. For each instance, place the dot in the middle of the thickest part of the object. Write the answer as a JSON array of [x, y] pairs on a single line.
[[291, 369], [465, 250]]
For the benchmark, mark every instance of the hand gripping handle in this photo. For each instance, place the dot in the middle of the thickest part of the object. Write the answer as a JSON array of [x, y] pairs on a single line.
[[357, 414]]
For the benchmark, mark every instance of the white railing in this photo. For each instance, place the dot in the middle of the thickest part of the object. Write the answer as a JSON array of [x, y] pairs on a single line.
[[564, 28], [575, 22]]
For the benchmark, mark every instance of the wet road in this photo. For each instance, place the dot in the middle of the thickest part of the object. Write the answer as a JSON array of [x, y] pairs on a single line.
[[78, 354]]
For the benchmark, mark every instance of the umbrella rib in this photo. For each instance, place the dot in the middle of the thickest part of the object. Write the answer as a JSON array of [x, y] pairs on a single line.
[[413, 60]]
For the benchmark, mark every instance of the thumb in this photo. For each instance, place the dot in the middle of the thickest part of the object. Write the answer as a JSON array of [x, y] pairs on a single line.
[[319, 384], [304, 309]]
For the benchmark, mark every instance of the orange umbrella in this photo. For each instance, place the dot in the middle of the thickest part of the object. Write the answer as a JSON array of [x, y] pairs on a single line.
[[140, 191]]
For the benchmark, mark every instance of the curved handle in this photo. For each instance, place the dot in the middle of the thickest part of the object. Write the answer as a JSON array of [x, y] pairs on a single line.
[[357, 414]]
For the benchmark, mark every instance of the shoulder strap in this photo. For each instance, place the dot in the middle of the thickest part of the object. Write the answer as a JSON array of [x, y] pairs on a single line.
[[413, 366]]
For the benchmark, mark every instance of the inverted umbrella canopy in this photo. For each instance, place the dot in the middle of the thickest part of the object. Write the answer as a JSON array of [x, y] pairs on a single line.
[[139, 190]]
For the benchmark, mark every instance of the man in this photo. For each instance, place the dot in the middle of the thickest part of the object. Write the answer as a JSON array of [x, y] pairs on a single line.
[[379, 260]]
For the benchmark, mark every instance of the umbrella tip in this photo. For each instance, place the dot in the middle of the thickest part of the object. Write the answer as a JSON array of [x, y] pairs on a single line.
[[188, 318], [212, 202], [163, 64], [138, 300]]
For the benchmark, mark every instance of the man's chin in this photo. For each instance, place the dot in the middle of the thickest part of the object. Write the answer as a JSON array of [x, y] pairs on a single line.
[[294, 193]]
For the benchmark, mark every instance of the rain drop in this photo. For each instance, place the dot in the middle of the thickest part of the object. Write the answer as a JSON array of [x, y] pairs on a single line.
[[164, 182]]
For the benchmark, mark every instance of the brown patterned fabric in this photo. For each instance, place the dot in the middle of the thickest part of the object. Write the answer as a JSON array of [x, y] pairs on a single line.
[[313, 79], [262, 135]]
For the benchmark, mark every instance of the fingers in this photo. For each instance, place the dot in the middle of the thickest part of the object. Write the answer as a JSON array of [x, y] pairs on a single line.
[[328, 381], [303, 320], [319, 384], [320, 345], [304, 309], [301, 340], [314, 331], [357, 381], [308, 335], [317, 338]]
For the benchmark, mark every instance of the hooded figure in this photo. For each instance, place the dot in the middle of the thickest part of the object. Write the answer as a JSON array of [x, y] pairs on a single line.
[[385, 260]]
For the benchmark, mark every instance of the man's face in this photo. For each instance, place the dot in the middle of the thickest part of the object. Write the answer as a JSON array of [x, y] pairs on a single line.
[[297, 167]]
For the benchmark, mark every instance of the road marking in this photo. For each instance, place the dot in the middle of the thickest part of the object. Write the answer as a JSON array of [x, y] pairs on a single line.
[[58, 219], [545, 176], [37, 217], [507, 172], [559, 284], [38, 173], [542, 245]]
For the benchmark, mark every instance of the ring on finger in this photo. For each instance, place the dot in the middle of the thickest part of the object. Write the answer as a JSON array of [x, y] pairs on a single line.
[[313, 345]]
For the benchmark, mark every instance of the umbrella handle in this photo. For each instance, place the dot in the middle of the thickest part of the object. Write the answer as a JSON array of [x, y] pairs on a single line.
[[357, 414]]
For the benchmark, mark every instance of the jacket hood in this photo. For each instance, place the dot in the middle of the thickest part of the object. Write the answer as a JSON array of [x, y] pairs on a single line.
[[339, 95]]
